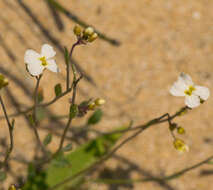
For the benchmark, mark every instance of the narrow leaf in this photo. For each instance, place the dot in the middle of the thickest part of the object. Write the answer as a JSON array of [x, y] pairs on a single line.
[[67, 148], [66, 55], [58, 90], [47, 139], [95, 117]]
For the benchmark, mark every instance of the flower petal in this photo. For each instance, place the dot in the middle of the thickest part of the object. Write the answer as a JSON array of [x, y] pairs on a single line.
[[192, 101], [186, 79], [35, 69], [31, 57], [202, 92], [177, 89], [52, 66], [47, 51]]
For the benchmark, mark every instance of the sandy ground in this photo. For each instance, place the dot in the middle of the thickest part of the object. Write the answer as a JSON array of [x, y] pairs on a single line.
[[159, 39]]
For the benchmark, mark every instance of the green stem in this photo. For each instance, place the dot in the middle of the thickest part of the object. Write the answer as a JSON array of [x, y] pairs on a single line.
[[10, 127], [35, 122]]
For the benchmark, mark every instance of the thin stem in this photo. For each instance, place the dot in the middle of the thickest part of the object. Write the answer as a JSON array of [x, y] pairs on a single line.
[[68, 65], [70, 118], [74, 84], [34, 124], [10, 127]]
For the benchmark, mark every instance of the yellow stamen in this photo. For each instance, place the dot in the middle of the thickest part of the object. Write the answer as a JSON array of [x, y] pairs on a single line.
[[189, 90], [43, 61]]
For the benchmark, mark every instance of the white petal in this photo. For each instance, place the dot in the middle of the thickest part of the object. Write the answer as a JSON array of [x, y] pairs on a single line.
[[35, 69], [186, 79], [192, 101], [177, 89], [52, 66], [202, 92], [31, 57], [47, 51]]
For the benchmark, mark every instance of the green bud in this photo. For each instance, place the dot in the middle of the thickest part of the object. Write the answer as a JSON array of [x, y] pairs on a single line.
[[181, 130], [92, 106], [99, 101], [180, 145], [93, 37], [77, 30], [89, 31], [12, 187], [3, 81]]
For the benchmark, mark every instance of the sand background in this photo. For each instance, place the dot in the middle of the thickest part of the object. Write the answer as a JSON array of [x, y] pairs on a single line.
[[159, 39]]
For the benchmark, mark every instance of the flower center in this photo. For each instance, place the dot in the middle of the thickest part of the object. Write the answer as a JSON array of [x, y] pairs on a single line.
[[189, 90], [43, 61]]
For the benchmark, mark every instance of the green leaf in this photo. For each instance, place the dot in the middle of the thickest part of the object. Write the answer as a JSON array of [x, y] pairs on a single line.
[[95, 117], [3, 175], [58, 89], [67, 148], [73, 110], [66, 55], [210, 162], [60, 161], [47, 139], [81, 158]]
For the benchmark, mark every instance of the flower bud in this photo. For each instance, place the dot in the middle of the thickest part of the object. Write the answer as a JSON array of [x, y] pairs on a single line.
[[12, 187], [3, 81], [77, 30], [181, 130], [99, 101], [180, 145], [92, 106], [93, 37], [89, 31]]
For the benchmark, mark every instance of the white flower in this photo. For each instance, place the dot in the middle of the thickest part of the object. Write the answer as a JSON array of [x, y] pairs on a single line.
[[36, 62], [194, 94]]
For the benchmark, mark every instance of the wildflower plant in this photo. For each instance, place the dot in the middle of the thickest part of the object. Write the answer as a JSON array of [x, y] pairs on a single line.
[[59, 168]]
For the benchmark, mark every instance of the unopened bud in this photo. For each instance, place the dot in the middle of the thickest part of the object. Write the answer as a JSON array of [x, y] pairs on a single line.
[[99, 101], [180, 146], [12, 187], [93, 37], [91, 106], [181, 130], [88, 31], [3, 81], [77, 30]]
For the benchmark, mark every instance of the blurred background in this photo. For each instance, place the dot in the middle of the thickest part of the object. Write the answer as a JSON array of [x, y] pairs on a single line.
[[146, 44]]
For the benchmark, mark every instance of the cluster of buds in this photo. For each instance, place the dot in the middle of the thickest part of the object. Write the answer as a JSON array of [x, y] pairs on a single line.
[[89, 105], [86, 35], [180, 145], [3, 81]]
